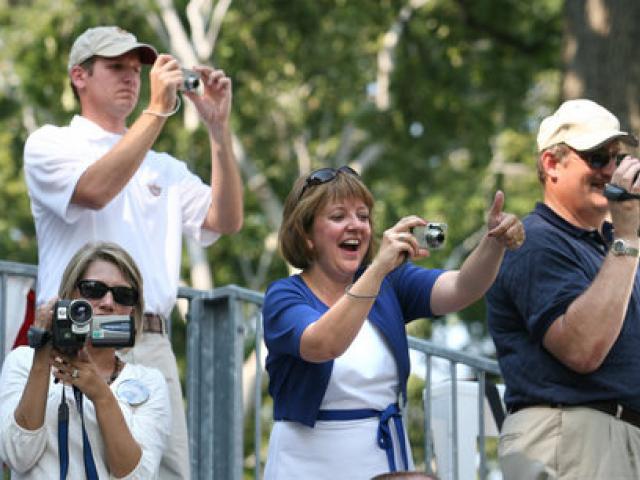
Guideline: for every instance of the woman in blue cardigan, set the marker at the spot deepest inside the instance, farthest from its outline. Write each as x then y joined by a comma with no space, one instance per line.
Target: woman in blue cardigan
338,358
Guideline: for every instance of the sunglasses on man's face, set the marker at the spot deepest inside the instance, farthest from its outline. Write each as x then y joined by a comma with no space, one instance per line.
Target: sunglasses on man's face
601,158
95,290
324,175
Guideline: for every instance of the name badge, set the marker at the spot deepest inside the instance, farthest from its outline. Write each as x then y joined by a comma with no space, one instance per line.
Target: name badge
133,391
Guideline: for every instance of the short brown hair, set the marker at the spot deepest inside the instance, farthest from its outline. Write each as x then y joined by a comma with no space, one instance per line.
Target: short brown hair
560,150
108,252
299,214
88,66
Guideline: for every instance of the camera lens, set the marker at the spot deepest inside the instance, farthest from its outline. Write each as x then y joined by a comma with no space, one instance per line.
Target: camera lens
436,236
80,312
191,80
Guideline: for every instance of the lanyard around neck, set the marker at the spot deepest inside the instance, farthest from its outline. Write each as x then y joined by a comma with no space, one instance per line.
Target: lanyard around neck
63,438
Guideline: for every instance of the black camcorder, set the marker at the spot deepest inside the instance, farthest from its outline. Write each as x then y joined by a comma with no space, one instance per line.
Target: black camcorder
73,322
431,236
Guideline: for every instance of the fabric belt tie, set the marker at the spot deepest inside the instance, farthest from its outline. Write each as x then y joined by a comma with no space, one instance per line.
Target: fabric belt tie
385,441
153,323
612,408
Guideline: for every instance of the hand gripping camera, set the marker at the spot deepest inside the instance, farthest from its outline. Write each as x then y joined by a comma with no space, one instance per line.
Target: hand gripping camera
431,236
73,321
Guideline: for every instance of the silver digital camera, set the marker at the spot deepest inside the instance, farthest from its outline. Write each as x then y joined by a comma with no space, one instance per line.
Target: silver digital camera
431,236
191,80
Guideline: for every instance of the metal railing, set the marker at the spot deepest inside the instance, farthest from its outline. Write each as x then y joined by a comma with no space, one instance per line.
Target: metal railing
220,325
8,270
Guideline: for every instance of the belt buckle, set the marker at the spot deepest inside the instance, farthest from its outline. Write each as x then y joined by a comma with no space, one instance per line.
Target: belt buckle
619,410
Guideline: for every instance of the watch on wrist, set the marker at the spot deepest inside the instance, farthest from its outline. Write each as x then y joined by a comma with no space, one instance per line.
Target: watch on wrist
620,247
38,337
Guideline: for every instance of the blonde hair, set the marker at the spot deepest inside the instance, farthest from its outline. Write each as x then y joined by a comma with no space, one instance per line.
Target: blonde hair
111,253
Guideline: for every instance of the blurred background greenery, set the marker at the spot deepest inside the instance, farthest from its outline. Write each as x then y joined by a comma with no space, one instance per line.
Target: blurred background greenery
435,102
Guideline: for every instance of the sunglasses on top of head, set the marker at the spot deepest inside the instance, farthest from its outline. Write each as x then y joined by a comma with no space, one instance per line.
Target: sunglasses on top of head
598,159
324,175
95,289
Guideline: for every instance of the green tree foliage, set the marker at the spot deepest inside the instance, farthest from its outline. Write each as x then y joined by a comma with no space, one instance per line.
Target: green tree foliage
467,82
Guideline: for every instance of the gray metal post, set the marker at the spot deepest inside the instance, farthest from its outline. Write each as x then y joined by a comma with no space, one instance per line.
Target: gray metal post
3,314
8,269
214,415
481,440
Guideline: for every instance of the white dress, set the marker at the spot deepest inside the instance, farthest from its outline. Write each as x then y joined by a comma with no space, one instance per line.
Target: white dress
365,376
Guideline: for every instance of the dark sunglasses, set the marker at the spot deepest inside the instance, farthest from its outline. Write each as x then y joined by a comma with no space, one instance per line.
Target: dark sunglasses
324,175
95,289
601,158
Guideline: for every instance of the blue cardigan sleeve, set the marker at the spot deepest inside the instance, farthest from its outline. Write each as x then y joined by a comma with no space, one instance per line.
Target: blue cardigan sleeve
289,308
297,386
412,286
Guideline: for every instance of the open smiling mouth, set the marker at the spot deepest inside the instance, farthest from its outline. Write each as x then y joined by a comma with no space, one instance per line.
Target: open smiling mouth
351,245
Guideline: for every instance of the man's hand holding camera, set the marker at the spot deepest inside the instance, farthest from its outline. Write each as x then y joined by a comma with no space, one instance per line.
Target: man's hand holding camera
214,105
625,215
165,78
168,78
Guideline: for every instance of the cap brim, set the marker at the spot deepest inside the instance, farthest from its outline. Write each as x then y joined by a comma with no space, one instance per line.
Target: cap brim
148,54
584,143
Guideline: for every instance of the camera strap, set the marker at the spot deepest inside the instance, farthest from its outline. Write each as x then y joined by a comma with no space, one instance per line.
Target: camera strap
63,438
63,434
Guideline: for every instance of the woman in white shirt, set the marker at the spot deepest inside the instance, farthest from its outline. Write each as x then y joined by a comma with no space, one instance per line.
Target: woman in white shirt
125,411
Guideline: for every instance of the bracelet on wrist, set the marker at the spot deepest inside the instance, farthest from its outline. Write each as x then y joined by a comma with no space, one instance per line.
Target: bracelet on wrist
357,296
164,114
38,337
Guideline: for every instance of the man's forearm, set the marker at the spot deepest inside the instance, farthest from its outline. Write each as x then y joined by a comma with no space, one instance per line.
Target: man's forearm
226,212
106,177
584,335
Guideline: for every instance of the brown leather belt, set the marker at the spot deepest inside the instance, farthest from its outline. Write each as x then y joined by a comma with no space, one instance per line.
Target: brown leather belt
153,323
612,408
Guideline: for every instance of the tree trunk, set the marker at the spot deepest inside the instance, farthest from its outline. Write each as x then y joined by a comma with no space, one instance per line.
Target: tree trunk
601,38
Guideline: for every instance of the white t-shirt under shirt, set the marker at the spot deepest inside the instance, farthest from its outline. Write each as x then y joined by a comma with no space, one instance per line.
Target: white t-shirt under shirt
365,376
147,218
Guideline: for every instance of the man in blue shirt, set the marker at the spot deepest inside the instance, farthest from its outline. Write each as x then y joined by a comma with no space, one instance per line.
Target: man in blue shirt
564,311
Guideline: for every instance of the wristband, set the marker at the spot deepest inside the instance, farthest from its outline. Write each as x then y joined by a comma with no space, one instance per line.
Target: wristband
38,337
164,114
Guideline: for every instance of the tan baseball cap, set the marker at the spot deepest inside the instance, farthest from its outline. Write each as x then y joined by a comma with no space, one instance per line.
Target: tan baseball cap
108,42
583,125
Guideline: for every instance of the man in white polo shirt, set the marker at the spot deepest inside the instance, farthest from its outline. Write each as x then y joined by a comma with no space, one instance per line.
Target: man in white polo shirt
98,179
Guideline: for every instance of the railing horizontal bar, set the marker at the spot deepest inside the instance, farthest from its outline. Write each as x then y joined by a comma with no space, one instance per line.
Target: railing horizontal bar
14,268
231,291
456,356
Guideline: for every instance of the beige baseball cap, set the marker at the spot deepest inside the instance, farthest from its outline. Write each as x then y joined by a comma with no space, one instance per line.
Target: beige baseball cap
583,125
108,42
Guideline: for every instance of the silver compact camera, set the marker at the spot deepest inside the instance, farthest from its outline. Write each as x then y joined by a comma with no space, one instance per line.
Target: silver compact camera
191,80
431,236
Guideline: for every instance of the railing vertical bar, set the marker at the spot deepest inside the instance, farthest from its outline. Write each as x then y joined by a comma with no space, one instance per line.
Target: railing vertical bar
426,396
4,311
481,434
258,396
454,417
